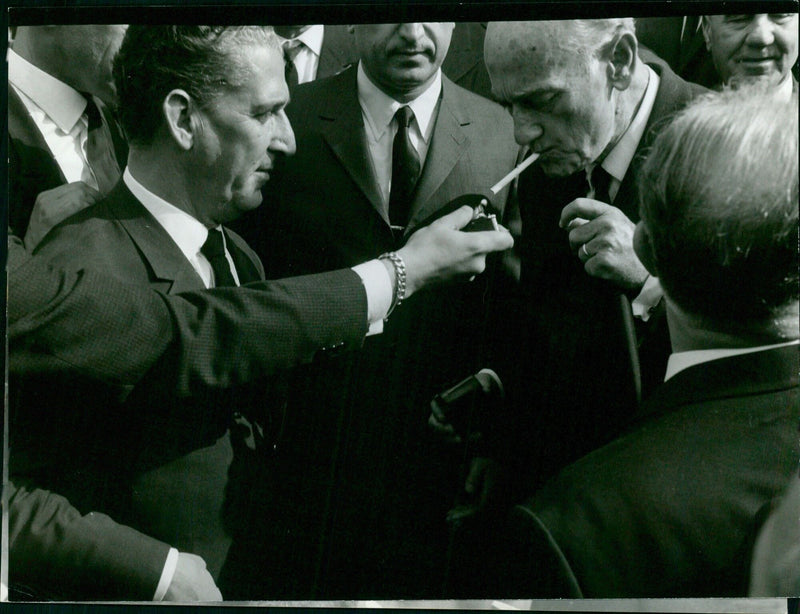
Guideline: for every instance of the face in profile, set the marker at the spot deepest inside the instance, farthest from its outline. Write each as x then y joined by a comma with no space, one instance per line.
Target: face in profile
241,131
402,58
749,47
562,104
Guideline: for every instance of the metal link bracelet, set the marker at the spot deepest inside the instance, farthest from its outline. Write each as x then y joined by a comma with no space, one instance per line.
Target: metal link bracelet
400,280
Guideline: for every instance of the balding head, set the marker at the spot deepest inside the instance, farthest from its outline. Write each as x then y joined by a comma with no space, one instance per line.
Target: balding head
568,84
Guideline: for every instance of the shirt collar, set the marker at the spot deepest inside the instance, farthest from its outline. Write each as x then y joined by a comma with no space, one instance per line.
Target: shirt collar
61,103
379,108
311,38
683,360
618,160
187,232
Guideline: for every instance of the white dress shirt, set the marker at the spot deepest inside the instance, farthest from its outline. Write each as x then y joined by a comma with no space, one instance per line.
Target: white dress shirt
187,232
307,59
57,110
679,361
378,109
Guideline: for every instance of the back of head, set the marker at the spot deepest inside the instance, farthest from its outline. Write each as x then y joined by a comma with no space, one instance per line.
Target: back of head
719,201
154,60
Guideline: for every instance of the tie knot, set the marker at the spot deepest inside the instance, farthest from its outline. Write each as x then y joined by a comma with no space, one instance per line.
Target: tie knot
403,116
291,48
213,247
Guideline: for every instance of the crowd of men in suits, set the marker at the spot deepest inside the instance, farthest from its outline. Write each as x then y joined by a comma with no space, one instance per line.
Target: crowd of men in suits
239,273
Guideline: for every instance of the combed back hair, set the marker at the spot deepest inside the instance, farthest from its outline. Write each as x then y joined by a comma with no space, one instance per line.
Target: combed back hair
719,198
201,60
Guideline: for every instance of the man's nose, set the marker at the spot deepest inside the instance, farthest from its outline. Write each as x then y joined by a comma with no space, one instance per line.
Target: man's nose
761,32
526,129
411,32
283,139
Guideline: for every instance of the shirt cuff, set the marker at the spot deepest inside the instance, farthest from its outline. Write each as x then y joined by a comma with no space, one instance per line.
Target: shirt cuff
378,286
648,299
167,574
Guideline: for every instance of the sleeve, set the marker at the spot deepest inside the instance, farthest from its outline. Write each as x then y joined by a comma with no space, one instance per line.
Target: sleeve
57,553
83,321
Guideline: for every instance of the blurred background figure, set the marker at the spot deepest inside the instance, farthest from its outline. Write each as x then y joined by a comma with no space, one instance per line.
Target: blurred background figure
65,147
762,46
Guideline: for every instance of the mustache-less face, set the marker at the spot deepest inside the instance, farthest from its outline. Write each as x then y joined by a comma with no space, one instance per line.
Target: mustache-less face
402,59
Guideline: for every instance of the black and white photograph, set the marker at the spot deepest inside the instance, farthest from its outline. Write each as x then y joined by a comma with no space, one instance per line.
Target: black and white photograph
501,312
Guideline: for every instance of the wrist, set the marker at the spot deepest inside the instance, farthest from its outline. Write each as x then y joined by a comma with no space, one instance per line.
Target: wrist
397,272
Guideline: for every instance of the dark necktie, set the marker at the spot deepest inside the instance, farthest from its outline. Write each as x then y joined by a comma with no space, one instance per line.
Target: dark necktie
214,250
601,181
290,50
405,170
100,149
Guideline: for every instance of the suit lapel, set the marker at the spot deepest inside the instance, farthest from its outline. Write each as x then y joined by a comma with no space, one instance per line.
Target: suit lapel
342,127
153,242
449,141
246,268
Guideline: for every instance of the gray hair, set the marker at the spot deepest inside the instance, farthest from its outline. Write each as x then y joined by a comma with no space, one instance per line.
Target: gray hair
719,199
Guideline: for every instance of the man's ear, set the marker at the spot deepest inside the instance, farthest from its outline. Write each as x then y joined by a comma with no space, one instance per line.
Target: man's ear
178,110
643,246
622,58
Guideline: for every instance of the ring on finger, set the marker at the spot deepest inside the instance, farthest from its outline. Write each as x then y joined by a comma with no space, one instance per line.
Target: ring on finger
584,251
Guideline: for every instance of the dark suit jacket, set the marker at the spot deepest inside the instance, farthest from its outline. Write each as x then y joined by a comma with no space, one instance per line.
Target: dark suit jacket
577,333
32,168
89,327
359,487
670,509
207,354
47,537
174,497
337,53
